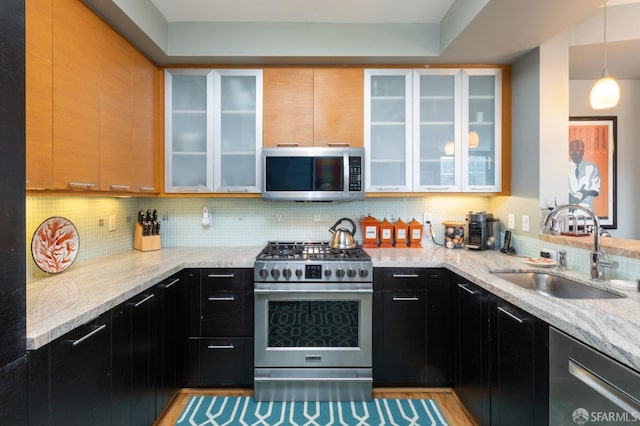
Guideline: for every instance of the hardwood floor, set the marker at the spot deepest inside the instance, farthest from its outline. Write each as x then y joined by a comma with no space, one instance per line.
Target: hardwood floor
447,400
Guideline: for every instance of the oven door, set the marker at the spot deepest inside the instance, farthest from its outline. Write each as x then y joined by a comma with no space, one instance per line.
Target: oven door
326,325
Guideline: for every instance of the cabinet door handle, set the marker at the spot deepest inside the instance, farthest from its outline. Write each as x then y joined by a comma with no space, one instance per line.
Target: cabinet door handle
171,283
603,387
86,185
406,276
221,347
145,300
288,144
88,335
119,187
406,299
467,289
222,299
221,275
147,189
338,144
506,312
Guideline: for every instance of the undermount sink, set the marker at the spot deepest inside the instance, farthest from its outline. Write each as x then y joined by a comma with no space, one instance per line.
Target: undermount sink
556,286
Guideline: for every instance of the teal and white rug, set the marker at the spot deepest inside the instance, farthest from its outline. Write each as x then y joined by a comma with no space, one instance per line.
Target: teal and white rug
231,410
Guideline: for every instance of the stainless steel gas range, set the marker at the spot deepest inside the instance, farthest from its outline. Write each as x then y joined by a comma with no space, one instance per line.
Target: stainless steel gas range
312,323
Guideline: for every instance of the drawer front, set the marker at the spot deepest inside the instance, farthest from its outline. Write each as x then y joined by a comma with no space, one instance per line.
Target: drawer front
220,362
222,313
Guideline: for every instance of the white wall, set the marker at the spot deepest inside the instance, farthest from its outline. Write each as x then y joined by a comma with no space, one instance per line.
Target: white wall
627,148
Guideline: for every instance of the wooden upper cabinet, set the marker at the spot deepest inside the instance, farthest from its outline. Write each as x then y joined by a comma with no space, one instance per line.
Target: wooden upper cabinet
143,149
76,99
287,107
307,107
338,107
116,124
39,114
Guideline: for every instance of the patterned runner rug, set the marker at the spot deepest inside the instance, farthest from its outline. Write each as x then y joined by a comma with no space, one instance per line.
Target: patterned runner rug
232,410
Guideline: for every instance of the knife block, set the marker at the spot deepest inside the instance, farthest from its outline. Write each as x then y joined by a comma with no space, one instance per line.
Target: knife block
145,242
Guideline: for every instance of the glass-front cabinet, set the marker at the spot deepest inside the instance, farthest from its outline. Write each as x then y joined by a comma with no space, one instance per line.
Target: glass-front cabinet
387,130
238,129
482,130
433,130
213,130
188,130
437,129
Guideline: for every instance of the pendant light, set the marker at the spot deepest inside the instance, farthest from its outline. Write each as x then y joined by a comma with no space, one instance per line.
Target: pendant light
606,92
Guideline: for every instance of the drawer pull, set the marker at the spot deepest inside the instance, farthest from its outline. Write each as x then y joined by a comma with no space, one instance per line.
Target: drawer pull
145,300
88,335
288,144
467,289
222,299
221,347
221,275
339,144
147,189
406,276
406,299
504,311
171,283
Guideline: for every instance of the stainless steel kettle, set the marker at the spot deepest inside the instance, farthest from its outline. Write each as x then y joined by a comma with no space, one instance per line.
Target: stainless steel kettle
343,238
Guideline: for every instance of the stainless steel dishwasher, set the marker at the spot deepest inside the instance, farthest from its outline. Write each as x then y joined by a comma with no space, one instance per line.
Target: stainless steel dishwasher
587,387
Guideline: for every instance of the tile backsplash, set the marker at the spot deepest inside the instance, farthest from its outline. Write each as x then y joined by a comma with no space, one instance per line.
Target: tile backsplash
234,221
253,222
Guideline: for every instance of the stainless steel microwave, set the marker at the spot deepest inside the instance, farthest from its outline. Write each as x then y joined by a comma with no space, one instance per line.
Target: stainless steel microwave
313,174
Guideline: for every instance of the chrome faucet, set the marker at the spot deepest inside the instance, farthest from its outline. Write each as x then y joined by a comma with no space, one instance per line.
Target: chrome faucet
598,259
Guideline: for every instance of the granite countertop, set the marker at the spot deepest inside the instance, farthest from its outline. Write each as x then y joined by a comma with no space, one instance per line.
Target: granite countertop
59,303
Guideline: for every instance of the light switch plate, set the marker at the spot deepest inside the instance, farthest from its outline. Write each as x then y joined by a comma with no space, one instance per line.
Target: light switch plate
512,221
526,227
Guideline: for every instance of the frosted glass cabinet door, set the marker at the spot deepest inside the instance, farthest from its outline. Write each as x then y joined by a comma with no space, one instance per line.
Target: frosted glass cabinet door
387,132
482,130
238,130
188,130
436,138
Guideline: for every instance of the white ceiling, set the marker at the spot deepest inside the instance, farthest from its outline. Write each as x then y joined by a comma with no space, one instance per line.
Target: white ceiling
500,31
330,11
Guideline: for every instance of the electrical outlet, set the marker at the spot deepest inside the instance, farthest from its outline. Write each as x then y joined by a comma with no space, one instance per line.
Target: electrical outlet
511,221
427,218
112,223
526,226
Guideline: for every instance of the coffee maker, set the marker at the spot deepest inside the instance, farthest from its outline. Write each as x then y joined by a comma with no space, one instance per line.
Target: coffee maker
484,231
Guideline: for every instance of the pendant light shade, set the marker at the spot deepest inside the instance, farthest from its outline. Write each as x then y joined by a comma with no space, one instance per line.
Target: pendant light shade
606,92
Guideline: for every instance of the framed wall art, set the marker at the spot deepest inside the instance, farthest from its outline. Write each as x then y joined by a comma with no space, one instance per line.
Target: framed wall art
592,166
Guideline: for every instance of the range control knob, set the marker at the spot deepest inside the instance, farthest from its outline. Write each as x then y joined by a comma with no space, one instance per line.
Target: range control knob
298,273
364,272
339,272
286,273
275,273
352,272
327,272
263,273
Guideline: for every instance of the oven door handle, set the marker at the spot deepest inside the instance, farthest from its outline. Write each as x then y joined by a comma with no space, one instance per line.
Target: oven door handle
310,291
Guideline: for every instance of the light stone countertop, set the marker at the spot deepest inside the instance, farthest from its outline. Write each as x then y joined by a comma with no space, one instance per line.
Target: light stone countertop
59,303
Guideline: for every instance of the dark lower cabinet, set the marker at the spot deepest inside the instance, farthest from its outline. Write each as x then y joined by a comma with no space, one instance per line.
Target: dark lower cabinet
501,359
411,324
122,397
14,392
472,362
219,317
80,375
172,323
520,367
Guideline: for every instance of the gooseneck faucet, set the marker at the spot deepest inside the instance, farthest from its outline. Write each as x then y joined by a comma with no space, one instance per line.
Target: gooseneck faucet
598,259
